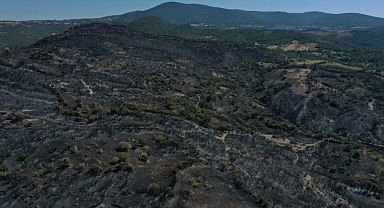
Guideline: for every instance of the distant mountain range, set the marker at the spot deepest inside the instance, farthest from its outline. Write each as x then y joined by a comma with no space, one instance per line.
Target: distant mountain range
20,33
178,13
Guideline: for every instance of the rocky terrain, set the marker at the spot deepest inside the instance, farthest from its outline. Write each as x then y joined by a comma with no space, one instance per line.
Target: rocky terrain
103,116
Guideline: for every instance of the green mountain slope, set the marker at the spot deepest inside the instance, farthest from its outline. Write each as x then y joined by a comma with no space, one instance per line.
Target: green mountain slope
24,33
357,48
349,19
155,25
371,39
178,13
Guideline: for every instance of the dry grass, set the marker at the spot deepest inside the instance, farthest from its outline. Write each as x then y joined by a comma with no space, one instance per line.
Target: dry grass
334,64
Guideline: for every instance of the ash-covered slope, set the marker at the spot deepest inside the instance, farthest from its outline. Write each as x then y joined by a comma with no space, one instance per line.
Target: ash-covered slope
104,116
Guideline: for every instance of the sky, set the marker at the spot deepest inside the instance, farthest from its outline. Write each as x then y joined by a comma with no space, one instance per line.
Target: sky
77,9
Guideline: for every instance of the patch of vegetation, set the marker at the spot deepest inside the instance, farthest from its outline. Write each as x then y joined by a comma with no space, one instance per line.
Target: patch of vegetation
124,166
124,157
153,189
124,146
95,168
4,170
65,162
144,157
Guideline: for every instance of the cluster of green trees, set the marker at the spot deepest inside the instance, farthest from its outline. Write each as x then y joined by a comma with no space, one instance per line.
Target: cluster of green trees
359,48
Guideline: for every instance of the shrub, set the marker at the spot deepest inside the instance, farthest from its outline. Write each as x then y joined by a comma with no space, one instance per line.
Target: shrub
124,157
92,118
81,166
144,157
153,189
348,148
356,154
19,116
143,141
65,162
207,185
124,167
95,168
334,104
377,172
239,182
333,169
4,167
4,171
124,146
378,157
74,149
193,182
3,174
115,160
170,192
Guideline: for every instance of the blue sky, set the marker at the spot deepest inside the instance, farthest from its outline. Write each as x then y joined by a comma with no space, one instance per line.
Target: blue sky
73,9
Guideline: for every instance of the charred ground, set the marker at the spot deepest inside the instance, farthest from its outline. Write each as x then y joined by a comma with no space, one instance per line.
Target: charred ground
105,116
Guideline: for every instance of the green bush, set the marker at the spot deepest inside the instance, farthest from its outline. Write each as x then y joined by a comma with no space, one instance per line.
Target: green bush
115,160
143,141
4,167
3,174
74,149
19,116
95,168
144,157
356,154
124,157
194,183
124,146
348,148
4,171
65,162
124,167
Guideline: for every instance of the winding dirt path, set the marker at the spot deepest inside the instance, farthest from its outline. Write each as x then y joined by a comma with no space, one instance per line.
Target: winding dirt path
87,87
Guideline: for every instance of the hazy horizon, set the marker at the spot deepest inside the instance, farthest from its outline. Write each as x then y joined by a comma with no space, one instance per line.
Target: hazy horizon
20,10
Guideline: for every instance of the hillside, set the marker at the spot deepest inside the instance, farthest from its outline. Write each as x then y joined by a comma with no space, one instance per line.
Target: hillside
156,26
358,48
371,39
349,19
105,116
16,34
178,13
23,33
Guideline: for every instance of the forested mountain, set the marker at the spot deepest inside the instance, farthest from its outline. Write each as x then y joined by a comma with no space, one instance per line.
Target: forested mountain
349,19
359,48
27,32
22,33
178,13
157,26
